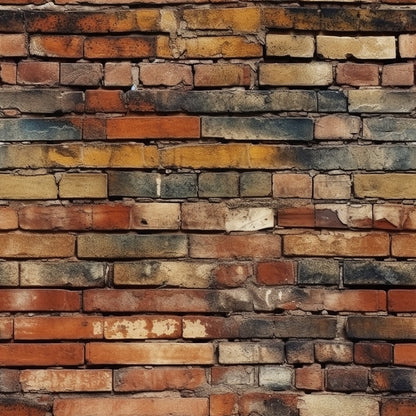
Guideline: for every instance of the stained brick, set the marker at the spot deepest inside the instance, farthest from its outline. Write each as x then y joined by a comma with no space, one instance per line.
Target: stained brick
223,404
255,184
295,46
333,127
268,404
203,216
38,73
276,377
232,275
201,327
389,129
334,352
166,74
380,101
370,353
9,273
54,46
402,75
234,375
347,379
331,187
118,74
300,352
310,378
83,74
179,185
251,353
305,327
292,185
402,245
104,101
133,184
218,184
21,407
318,272
407,45
332,101
398,407
395,380
222,75
6,328
9,381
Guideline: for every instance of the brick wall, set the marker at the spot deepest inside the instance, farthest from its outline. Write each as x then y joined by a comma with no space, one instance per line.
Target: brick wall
207,208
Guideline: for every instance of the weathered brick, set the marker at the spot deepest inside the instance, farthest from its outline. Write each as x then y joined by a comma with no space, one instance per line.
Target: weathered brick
331,187
232,275
204,216
66,380
129,406
387,186
401,75
393,380
218,184
380,101
8,73
398,406
318,272
256,128
379,273
355,300
296,74
268,404
249,219
155,216
337,405
310,378
381,327
255,184
295,46
153,273
334,127
407,45
222,404
165,74
213,327
279,272
348,244
68,274
390,216
56,46
305,327
22,407
83,74
347,379
222,75
234,375
402,245
357,75
370,353
41,354
158,379
6,328
389,129
401,300
118,74
297,216
179,185
276,377
300,352
334,351
265,352
9,273
149,354
292,185
104,101
13,45
142,327
332,101
133,184
9,381
38,73
131,245
12,21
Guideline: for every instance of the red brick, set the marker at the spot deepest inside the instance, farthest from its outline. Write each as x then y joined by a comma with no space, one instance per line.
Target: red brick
310,378
223,404
6,328
204,327
370,353
403,245
39,300
239,246
292,185
165,74
276,273
399,75
110,217
355,300
13,45
398,407
104,101
20,407
405,354
39,354
57,46
357,74
301,216
38,73
232,275
167,127
54,217
52,380
144,406
8,73
149,354
53,327
8,218
402,300
222,75
158,379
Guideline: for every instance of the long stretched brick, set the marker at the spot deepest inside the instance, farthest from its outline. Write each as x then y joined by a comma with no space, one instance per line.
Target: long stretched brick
381,327
27,187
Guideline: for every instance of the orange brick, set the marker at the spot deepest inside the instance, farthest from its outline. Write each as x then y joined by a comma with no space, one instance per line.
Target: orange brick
292,185
6,328
223,404
8,73
403,245
57,46
13,45
402,300
276,273
102,101
222,75
110,217
167,127
8,218
310,378
405,354
355,300
53,327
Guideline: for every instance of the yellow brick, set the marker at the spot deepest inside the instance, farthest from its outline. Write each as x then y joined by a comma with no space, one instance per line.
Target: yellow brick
163,49
28,187
147,19
83,185
168,21
151,156
116,155
63,155
236,19
297,46
387,185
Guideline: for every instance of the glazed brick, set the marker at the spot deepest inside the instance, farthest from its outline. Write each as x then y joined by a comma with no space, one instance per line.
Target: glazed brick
221,101
13,45
255,184
179,185
276,377
9,381
133,184
381,327
27,187
296,74
55,46
334,352
268,403
83,185
401,300
93,245
347,379
82,74
276,273
394,380
201,327
165,74
222,75
331,187
318,272
386,186
66,380
380,101
333,127
149,354
379,273
357,75
235,246
104,101
234,375
405,354
398,406
155,273
158,379
117,74
371,353
38,73
401,75
9,273
155,216
256,128
347,244
310,378
389,129
205,47
6,328
295,46
264,352
36,245
155,406
142,327
218,184
361,47
153,128
41,354
300,352
64,274
305,327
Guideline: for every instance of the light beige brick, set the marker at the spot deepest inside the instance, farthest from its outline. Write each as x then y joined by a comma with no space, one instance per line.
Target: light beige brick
296,46
83,185
332,187
249,219
407,46
251,352
388,185
155,216
28,187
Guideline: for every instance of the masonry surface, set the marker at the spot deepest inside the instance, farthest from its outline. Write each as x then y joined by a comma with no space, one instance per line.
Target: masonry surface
207,208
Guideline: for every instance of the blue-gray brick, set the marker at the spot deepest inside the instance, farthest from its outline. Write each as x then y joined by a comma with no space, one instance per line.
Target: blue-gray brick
218,184
318,272
133,184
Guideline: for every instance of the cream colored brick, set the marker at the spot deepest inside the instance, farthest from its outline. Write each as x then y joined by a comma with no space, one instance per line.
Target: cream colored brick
296,74
28,187
251,352
407,46
296,46
249,219
332,187
83,185
364,47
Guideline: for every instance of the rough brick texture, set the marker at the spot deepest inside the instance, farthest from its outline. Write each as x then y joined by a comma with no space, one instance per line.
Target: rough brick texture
207,208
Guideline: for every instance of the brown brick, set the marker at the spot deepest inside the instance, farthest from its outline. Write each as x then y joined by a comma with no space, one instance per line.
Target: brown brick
398,75
223,404
38,73
301,216
203,216
8,73
370,353
402,245
276,273
347,379
292,185
357,74
310,378
13,45
222,75
8,218
300,352
56,46
9,381
388,216
398,407
232,275
393,380
334,127
165,74
118,74
334,352
22,407
84,74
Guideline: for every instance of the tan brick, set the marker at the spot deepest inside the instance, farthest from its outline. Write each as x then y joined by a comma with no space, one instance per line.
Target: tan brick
8,73
13,45
387,185
400,75
222,75
403,245
251,352
203,216
364,47
118,74
292,185
28,187
165,74
158,216
295,46
332,187
346,243
407,46
83,185
296,74
337,127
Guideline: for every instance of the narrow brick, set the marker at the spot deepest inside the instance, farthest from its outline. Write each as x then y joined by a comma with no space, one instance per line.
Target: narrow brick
407,45
251,353
83,185
13,45
8,73
38,73
222,404
222,75
56,46
6,328
149,354
82,74
296,74
9,381
357,75
371,353
364,300
380,101
402,245
165,74
218,184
